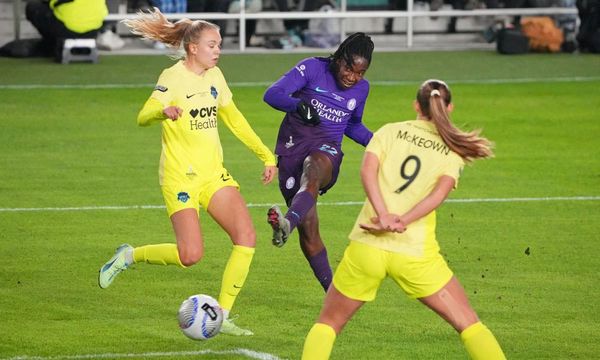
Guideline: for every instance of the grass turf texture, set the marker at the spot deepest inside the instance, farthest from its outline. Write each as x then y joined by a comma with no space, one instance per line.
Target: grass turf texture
73,147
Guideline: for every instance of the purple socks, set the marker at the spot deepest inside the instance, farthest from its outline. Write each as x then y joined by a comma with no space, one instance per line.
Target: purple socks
301,204
320,266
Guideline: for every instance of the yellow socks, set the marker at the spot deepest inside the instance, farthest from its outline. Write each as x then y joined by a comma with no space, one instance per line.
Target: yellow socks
319,342
481,343
160,254
235,274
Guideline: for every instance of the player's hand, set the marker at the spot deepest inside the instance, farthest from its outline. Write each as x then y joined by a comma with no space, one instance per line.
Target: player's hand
173,112
386,223
269,174
308,113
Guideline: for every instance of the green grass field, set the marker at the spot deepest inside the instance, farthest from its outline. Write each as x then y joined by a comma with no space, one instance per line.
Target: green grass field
520,232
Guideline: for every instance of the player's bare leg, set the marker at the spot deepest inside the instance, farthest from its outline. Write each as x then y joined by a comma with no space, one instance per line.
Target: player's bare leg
229,210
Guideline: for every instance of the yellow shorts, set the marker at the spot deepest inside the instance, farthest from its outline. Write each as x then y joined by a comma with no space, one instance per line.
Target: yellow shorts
364,267
192,195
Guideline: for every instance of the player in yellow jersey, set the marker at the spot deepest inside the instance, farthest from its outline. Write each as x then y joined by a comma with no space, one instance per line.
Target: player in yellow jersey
408,170
190,100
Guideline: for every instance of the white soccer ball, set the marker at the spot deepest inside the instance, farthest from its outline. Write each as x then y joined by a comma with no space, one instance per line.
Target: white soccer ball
200,317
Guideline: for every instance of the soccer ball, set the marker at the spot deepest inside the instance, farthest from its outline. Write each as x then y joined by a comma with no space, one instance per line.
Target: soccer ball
200,317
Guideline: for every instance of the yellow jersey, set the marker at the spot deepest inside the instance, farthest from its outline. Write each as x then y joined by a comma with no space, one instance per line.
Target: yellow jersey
191,147
412,157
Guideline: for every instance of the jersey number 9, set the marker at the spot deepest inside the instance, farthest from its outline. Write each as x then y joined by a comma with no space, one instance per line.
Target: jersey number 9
409,177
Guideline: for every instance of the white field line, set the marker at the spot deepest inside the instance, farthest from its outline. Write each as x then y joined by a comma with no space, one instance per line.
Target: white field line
251,354
267,83
337,203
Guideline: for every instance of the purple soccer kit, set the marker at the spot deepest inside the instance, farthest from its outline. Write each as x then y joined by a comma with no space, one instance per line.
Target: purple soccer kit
340,111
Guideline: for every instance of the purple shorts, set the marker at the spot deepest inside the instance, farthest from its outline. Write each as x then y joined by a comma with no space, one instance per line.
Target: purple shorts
290,168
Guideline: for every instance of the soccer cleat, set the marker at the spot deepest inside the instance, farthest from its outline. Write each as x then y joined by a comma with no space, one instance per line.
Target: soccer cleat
113,267
229,328
280,225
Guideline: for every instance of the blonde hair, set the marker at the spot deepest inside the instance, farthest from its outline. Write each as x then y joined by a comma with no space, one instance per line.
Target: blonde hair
433,97
153,25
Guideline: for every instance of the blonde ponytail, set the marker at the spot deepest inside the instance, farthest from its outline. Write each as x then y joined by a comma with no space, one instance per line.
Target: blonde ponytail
155,26
433,97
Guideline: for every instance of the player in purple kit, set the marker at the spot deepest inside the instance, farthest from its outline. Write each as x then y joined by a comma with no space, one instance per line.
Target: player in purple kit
323,99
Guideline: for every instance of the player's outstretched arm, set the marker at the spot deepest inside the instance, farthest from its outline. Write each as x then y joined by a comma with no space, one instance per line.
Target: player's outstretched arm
239,126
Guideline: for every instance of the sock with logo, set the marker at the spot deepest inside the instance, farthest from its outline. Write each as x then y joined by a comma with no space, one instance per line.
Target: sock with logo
481,343
319,342
235,274
320,266
159,254
301,204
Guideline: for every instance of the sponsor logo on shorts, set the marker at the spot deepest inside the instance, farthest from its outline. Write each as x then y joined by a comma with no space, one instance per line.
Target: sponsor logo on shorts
191,173
290,143
225,177
183,197
290,182
329,149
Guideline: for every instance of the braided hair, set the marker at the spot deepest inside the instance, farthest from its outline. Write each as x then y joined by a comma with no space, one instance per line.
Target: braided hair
358,44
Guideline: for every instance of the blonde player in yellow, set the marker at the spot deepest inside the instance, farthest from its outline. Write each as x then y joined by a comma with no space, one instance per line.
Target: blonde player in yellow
190,100
408,170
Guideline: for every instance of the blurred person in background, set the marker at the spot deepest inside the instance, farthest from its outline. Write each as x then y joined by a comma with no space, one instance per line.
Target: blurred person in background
108,38
252,6
408,170
189,100
58,20
296,28
218,6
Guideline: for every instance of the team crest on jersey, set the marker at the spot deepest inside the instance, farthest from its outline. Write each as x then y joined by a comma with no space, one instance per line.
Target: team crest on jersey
213,92
351,104
183,196
290,182
161,88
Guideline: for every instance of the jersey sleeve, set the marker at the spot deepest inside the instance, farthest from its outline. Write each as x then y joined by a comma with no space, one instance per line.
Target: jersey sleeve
151,112
453,168
237,123
279,94
163,91
358,132
377,144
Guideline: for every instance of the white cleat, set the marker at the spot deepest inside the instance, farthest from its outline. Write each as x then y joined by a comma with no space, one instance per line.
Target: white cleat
113,267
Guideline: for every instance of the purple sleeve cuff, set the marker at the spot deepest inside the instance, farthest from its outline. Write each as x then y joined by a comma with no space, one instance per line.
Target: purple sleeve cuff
358,132
279,98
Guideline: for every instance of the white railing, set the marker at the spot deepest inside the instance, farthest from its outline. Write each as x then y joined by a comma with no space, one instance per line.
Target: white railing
342,14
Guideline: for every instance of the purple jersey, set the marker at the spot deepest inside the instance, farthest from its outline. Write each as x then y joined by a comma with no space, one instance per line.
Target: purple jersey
340,109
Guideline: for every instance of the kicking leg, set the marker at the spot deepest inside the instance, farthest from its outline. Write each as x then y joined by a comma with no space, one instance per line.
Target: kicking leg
314,249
